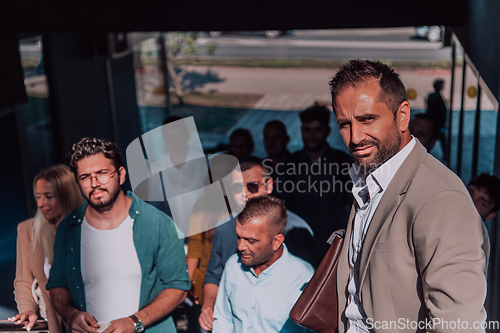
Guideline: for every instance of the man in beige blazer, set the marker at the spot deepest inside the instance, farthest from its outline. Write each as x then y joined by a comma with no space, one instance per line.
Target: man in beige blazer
415,252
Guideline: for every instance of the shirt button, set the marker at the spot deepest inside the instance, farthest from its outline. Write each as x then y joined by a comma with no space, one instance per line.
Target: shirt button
77,287
357,244
74,216
79,220
137,212
71,249
74,268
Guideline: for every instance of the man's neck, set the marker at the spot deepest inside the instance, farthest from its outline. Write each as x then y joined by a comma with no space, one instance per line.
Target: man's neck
109,217
315,156
260,268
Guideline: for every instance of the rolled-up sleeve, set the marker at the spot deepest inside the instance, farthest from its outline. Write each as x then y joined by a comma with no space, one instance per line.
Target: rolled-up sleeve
215,265
171,261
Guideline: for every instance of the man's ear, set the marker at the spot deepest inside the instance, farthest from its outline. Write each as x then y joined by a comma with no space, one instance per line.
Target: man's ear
269,185
123,174
403,116
277,241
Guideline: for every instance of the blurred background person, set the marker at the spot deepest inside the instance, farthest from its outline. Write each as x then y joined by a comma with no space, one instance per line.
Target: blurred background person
314,181
241,143
275,140
57,194
484,190
425,128
437,107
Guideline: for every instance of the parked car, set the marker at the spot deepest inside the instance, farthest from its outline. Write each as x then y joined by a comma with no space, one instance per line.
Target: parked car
433,33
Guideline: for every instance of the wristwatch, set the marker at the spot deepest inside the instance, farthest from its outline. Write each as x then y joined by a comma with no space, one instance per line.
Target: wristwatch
138,325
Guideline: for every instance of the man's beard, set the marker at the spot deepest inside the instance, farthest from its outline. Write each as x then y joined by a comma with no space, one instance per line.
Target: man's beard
384,152
104,204
257,259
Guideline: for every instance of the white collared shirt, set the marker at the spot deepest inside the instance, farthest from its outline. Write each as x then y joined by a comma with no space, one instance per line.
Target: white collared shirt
374,184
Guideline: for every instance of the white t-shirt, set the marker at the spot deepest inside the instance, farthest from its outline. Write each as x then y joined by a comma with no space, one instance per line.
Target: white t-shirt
111,271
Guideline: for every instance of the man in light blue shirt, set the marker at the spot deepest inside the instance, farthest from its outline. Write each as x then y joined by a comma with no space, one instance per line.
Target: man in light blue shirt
261,282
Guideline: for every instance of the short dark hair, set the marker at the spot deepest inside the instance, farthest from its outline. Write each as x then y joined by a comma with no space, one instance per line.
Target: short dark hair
249,162
242,132
272,208
435,126
92,146
278,124
356,72
316,112
492,186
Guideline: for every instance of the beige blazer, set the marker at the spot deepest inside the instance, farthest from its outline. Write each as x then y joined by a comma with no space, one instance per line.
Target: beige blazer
424,255
29,265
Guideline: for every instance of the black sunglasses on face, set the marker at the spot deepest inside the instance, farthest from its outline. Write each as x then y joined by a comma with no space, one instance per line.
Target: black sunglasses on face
252,187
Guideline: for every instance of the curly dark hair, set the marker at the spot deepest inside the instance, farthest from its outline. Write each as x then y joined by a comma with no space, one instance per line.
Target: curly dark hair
93,146
357,72
270,207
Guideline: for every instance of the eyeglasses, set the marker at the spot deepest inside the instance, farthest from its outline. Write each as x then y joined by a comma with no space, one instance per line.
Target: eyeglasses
252,187
102,176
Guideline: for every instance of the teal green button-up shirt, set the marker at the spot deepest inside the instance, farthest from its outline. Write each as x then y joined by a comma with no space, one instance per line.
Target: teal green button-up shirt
159,249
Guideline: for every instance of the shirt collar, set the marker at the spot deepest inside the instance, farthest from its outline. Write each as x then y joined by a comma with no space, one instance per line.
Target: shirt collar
79,213
379,179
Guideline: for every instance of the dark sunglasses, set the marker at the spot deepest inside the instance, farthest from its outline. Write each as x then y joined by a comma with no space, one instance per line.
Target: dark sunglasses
252,187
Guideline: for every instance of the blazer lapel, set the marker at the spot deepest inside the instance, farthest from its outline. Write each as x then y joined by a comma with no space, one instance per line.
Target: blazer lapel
389,204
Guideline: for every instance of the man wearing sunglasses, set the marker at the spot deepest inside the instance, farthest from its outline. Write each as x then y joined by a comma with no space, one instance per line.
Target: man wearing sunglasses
299,237
116,258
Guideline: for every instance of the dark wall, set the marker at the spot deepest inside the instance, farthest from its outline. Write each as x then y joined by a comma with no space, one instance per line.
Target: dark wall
89,95
480,38
13,200
11,73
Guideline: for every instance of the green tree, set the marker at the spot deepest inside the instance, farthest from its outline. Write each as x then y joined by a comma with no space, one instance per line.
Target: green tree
183,44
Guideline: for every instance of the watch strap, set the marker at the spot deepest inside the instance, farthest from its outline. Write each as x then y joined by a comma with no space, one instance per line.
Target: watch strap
135,319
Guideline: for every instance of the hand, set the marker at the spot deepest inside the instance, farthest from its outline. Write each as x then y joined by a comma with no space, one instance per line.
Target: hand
82,322
122,325
192,296
206,318
28,318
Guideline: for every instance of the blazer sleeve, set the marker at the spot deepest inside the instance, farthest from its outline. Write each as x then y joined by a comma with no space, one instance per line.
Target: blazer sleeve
450,249
24,268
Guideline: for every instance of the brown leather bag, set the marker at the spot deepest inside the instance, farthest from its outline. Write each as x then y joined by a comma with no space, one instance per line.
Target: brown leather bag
316,308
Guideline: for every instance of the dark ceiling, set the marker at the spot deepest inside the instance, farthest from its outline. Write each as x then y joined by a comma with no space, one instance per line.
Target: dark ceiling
35,16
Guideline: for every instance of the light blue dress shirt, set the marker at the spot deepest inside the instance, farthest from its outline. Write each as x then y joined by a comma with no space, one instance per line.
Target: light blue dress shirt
250,303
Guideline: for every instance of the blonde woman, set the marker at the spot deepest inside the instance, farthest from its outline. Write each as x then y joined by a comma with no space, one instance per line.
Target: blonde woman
57,194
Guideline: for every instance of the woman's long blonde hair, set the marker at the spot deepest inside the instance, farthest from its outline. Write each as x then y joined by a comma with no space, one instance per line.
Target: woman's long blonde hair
67,192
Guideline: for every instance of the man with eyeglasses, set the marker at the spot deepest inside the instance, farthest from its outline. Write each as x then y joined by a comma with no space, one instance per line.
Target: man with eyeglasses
299,237
117,260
